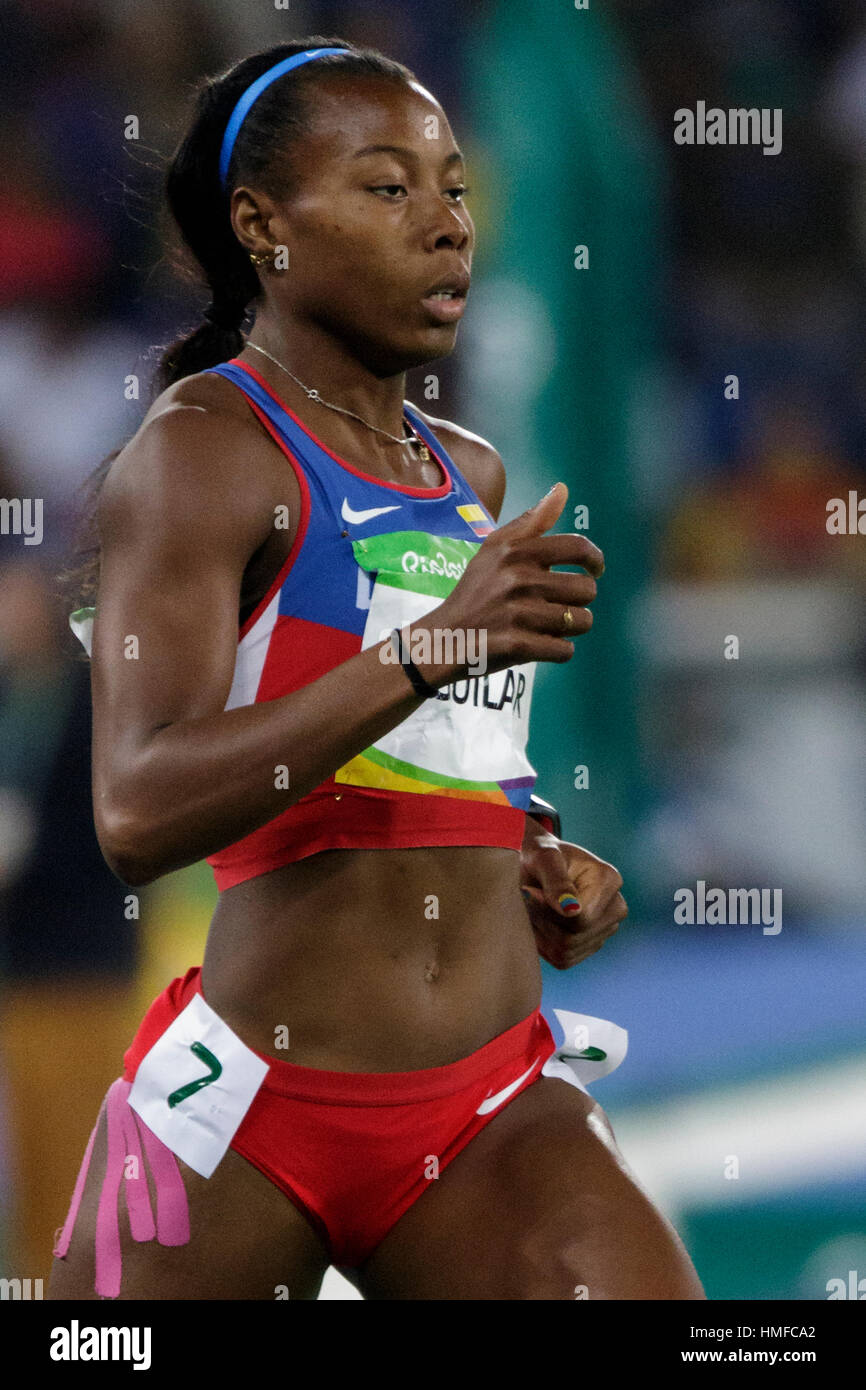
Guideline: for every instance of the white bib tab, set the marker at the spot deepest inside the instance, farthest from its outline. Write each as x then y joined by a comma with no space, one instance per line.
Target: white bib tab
195,1085
592,1048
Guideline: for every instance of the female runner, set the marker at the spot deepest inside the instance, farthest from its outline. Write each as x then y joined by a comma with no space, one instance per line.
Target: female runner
354,1076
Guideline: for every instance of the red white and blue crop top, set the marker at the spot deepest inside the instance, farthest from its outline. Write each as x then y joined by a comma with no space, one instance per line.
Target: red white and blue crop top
370,556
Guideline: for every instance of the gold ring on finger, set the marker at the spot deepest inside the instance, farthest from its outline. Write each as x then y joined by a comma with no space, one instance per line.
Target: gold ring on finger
567,618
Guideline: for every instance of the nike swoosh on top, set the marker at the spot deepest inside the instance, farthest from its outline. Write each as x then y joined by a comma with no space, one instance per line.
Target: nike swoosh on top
349,515
493,1102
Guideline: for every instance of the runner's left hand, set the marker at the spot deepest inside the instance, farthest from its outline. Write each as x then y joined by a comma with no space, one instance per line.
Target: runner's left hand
551,869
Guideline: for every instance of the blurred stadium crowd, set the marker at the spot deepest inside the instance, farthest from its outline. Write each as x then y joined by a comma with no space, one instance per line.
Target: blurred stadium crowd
764,278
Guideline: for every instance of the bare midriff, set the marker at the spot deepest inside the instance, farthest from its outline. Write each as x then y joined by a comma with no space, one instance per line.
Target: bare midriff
375,960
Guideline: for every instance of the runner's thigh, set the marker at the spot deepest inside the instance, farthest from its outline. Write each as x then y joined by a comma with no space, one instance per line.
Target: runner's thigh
247,1241
540,1205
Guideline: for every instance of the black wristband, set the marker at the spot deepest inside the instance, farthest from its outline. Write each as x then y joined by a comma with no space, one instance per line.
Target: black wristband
546,814
420,685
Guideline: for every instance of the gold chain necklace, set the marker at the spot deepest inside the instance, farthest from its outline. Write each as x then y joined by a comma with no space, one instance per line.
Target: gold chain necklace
413,438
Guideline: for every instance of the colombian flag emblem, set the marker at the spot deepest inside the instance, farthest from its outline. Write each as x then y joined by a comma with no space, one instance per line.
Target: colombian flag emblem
472,513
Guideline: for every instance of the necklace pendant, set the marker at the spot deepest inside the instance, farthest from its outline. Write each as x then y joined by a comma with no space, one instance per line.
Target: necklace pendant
424,454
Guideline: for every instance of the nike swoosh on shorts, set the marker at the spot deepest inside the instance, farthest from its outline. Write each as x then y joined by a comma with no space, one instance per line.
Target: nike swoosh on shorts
349,515
493,1102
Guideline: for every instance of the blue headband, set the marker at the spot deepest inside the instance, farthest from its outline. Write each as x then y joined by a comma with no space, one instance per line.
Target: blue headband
252,94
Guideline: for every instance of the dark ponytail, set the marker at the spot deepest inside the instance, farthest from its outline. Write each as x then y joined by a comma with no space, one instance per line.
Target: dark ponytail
262,157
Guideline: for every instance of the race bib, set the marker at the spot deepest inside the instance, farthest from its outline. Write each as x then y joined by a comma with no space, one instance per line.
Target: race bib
469,741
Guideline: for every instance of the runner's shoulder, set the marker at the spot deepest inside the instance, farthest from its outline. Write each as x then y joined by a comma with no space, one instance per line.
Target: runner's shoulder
479,462
198,445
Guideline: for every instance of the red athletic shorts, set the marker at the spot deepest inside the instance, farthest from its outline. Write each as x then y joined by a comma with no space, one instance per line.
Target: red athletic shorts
354,1150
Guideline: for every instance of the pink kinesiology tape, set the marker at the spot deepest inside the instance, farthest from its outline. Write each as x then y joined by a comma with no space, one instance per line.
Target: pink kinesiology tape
129,1137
